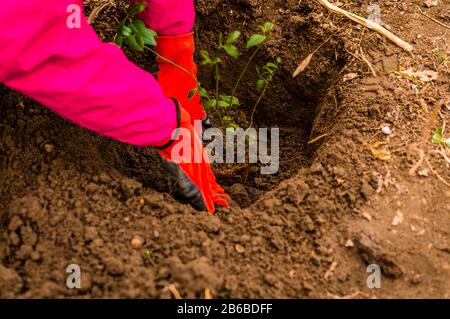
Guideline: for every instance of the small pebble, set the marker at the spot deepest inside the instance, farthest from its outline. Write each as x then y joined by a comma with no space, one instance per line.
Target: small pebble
349,243
386,130
398,219
137,242
240,249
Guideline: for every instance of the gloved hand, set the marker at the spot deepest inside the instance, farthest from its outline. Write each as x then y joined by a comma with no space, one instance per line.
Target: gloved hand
175,82
191,173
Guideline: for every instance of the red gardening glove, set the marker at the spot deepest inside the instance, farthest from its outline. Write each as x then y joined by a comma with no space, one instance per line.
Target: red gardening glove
175,82
189,168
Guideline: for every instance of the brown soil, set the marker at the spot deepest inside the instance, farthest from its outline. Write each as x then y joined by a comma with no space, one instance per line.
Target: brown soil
69,196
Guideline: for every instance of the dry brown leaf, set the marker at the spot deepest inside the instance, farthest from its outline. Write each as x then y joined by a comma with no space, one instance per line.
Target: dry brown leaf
424,76
303,65
379,153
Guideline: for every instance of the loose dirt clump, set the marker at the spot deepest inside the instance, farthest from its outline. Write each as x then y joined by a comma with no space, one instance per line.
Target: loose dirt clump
69,196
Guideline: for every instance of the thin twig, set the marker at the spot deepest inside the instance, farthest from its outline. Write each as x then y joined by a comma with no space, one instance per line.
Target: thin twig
257,103
95,12
416,166
433,19
305,62
174,291
370,24
436,173
314,140
443,155
368,63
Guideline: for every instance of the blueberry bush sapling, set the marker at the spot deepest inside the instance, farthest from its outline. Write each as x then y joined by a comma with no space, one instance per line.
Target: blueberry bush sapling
219,102
223,103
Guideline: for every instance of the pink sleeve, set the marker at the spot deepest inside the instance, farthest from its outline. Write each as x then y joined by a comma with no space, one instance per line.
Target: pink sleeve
169,17
72,72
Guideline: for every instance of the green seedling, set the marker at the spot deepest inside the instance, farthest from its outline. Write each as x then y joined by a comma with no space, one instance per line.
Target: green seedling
223,103
150,257
441,56
220,103
265,78
439,139
255,41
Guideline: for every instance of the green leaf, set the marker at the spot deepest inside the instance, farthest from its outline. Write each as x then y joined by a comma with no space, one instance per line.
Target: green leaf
202,92
119,40
267,27
150,40
232,127
437,137
134,43
233,37
139,24
255,40
140,41
279,60
260,84
272,65
230,101
231,50
223,103
148,34
149,37
134,30
211,103
227,118
192,93
125,31
206,59
137,8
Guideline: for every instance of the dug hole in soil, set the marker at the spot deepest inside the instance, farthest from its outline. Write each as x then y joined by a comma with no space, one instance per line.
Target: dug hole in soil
69,196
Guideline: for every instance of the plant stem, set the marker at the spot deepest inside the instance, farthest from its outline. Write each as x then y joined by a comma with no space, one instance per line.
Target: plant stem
241,76
257,103
172,63
216,67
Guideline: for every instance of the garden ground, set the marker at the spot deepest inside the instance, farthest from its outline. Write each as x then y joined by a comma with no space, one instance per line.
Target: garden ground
354,197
